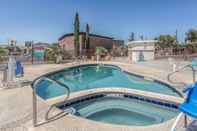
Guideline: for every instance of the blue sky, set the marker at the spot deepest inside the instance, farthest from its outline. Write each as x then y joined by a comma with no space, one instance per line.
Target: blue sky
47,20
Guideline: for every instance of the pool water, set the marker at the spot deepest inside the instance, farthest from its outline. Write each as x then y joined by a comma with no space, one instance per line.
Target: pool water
124,111
120,116
96,76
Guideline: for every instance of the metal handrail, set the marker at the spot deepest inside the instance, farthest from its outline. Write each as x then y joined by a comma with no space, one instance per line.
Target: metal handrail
194,78
187,66
35,98
173,128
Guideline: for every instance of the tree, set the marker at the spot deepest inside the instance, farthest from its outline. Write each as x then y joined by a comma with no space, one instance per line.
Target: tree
76,34
87,39
191,35
132,36
165,41
3,52
52,52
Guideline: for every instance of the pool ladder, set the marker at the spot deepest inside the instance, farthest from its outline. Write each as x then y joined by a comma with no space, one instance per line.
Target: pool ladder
34,87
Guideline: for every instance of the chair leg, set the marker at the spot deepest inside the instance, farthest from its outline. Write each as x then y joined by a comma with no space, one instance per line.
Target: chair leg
185,121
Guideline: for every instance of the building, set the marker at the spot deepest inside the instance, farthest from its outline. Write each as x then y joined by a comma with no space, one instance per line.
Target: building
38,50
141,50
66,42
118,43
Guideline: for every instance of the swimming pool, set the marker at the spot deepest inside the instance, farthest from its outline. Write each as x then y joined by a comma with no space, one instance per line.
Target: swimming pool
98,76
121,109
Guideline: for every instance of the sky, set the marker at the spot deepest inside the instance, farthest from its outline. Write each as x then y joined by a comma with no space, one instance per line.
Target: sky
47,20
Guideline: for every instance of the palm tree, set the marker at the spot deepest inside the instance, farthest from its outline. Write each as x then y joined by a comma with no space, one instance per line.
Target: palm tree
53,52
100,51
166,41
191,35
76,34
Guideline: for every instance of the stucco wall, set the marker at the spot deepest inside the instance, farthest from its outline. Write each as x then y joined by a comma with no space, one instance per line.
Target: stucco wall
147,56
139,52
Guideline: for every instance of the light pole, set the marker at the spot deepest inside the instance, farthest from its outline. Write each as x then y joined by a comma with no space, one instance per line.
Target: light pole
32,52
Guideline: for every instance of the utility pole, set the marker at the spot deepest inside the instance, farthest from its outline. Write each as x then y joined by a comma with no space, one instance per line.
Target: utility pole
176,36
32,52
132,36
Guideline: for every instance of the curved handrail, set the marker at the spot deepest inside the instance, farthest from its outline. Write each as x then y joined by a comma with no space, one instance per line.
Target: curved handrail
172,73
51,107
173,128
53,81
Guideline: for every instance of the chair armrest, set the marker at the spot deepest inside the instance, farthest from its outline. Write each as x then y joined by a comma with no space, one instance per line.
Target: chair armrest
187,88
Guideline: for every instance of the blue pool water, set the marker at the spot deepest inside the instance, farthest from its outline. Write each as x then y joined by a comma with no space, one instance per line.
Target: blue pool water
96,76
123,111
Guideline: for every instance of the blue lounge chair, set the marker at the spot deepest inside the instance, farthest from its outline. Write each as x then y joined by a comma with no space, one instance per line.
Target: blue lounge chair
189,107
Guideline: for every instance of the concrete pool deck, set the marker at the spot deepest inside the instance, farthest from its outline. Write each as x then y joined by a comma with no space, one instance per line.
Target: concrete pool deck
16,104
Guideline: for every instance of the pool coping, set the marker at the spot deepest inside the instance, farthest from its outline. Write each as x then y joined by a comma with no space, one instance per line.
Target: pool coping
134,92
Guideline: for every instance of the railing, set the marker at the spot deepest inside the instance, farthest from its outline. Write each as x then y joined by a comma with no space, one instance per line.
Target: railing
35,99
169,79
181,69
176,122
